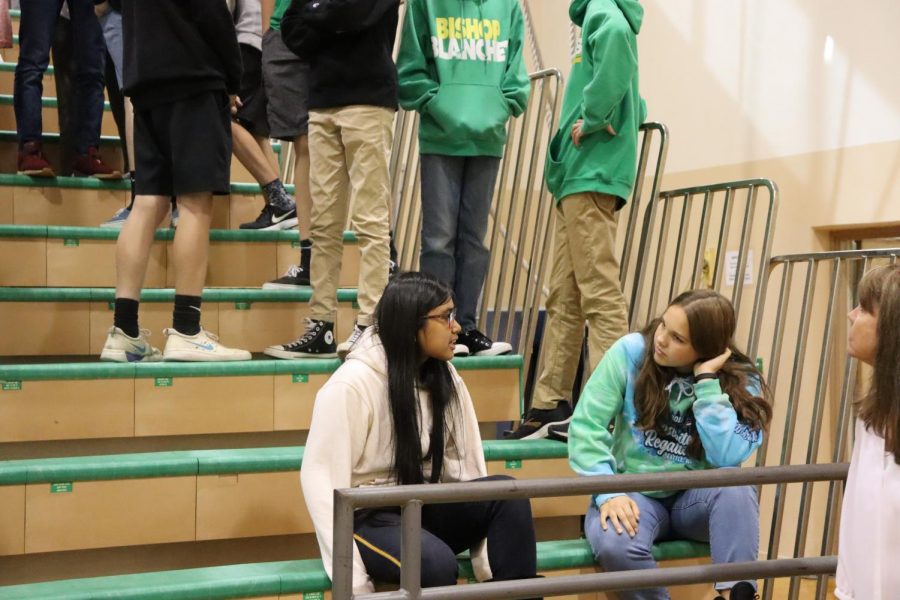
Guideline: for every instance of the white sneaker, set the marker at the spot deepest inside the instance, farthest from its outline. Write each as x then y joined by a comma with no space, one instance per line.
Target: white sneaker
121,347
345,347
203,347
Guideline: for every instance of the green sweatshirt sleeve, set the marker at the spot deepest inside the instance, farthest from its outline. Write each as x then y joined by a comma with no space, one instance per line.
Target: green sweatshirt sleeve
590,442
417,85
612,47
516,85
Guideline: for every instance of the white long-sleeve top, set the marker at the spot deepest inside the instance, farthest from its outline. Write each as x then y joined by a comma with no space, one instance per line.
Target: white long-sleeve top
350,444
869,548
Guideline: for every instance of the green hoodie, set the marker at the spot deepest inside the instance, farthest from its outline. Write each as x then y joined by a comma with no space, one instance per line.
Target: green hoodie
602,90
460,66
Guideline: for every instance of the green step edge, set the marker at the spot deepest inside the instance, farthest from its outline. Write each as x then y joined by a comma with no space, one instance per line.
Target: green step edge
285,577
106,140
74,469
90,183
106,233
307,366
7,100
10,67
251,295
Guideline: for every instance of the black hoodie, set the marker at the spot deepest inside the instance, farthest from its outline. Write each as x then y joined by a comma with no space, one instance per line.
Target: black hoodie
175,49
349,47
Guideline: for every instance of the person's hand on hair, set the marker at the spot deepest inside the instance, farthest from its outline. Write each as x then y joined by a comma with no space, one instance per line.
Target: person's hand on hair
623,513
713,365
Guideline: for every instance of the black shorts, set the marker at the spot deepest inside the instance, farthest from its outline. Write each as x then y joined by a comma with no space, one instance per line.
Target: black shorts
252,114
184,147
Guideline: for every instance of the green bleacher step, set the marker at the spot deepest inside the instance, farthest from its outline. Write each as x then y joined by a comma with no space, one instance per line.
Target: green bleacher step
166,399
87,202
57,256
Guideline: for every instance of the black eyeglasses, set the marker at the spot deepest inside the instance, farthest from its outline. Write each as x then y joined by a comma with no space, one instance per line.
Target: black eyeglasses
448,316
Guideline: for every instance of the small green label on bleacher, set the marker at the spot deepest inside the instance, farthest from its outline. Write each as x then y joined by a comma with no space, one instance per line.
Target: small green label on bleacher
355,305
12,386
242,306
759,364
514,464
313,595
70,243
111,306
61,488
163,382
300,378
295,244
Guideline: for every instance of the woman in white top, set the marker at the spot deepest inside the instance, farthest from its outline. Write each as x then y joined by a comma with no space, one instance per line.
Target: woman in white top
869,548
395,413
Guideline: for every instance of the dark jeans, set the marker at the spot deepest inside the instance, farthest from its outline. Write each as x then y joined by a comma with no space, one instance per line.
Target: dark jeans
447,530
36,29
456,201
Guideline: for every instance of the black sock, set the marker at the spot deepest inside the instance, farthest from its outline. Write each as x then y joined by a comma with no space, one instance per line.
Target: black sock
305,254
131,178
277,196
125,316
186,316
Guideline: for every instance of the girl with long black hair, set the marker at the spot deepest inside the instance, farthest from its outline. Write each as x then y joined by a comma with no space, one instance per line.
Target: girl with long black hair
395,413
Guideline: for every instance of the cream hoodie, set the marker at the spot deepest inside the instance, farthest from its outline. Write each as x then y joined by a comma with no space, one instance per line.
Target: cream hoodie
350,445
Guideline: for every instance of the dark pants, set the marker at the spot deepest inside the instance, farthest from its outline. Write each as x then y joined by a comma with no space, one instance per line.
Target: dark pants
456,202
36,29
447,530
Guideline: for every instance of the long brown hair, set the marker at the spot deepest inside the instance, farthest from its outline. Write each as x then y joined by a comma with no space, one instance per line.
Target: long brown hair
879,291
712,324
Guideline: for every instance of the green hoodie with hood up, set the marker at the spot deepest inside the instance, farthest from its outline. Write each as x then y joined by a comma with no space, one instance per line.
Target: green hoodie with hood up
603,91
460,66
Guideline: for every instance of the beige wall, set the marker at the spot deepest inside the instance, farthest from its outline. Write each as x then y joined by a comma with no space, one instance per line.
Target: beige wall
799,91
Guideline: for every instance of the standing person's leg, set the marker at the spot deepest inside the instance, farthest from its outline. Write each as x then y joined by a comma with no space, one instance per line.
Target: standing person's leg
367,132
377,536
472,256
506,525
441,192
563,336
126,342
330,186
36,29
285,79
90,60
593,218
615,551
727,518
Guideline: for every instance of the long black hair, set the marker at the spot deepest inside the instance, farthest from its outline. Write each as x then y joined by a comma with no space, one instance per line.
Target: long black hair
400,313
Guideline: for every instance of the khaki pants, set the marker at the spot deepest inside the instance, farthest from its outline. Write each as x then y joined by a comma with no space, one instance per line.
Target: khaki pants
584,286
349,150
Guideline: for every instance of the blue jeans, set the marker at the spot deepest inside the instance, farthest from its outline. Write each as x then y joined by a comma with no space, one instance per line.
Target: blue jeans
456,201
727,518
36,28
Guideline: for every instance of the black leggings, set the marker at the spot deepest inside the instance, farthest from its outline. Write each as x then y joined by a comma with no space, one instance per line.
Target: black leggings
447,530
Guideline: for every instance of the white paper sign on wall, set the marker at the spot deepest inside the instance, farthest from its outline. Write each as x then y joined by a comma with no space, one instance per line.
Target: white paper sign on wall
731,265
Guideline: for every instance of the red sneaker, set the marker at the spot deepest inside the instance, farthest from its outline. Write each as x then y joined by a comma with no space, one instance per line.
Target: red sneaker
32,161
91,165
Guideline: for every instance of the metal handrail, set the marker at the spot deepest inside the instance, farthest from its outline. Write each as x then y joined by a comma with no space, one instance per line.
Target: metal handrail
823,281
411,499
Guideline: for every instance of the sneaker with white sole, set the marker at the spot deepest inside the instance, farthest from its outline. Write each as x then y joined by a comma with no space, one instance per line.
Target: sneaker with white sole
475,343
272,218
346,346
121,347
202,347
296,276
538,423
117,221
316,342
